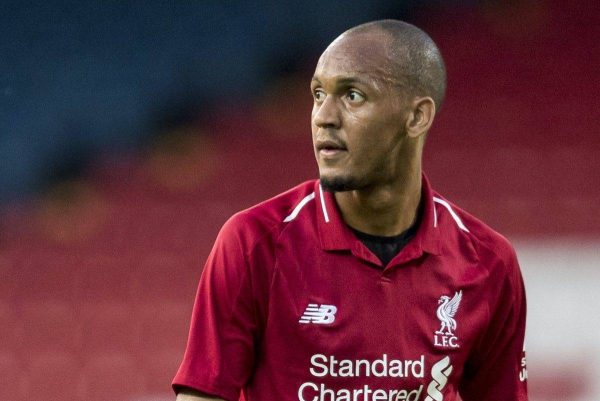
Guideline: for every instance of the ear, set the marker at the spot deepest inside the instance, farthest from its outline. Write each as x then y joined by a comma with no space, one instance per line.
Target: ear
420,117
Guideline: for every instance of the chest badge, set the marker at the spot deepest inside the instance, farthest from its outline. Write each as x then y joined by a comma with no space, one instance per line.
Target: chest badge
444,337
318,314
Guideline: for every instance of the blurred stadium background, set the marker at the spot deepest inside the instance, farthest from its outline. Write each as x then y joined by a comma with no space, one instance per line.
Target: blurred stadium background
130,131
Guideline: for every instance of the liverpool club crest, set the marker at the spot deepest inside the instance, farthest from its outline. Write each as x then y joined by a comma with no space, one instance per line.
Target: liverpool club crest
444,337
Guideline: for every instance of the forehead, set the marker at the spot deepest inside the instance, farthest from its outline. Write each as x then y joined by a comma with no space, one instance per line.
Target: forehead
365,55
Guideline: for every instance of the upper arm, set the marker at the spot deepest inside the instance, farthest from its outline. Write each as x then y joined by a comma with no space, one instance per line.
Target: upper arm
220,354
496,370
188,394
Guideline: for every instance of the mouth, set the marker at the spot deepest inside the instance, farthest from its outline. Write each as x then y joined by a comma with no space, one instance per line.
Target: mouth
330,148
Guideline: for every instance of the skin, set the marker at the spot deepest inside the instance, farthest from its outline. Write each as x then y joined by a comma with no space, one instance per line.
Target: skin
193,395
368,132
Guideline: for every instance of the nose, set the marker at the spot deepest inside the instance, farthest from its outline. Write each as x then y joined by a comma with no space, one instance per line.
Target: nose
326,114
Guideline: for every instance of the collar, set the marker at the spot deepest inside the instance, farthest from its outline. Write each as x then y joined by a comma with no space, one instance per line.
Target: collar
335,235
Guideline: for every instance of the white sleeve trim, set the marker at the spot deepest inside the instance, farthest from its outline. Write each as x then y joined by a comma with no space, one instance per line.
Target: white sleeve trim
299,207
457,219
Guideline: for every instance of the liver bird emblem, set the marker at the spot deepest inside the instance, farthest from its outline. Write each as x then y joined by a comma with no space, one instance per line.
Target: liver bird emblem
446,311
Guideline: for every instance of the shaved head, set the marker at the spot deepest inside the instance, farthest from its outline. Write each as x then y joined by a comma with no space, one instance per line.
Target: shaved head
376,89
418,64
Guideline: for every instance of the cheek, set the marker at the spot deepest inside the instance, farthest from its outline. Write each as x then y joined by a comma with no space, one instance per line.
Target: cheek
313,126
359,120
371,135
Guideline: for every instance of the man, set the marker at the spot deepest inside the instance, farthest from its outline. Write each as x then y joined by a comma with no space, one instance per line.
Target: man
365,285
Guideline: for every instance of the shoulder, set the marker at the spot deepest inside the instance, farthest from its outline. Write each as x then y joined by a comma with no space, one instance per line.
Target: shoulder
490,245
268,218
493,257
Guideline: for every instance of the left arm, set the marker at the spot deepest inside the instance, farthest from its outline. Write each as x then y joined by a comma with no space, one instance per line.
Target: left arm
497,370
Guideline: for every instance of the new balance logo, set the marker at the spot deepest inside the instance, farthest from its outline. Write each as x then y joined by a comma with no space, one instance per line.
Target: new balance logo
323,314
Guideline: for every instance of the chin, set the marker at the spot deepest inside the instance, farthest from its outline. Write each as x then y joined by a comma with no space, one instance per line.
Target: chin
339,184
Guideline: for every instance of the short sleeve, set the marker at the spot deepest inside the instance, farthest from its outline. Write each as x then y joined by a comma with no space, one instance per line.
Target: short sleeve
220,352
497,371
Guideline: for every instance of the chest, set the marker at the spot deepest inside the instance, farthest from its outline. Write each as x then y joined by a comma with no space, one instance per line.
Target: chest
338,321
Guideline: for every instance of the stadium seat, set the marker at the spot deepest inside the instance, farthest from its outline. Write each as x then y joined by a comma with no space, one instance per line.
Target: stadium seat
164,277
8,277
164,325
104,277
11,327
109,377
49,326
48,274
108,328
12,376
163,335
159,368
53,376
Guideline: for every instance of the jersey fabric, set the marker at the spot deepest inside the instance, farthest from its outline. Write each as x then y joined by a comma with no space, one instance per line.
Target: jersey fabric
292,306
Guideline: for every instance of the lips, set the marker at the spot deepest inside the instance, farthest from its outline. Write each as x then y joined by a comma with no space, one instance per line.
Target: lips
330,146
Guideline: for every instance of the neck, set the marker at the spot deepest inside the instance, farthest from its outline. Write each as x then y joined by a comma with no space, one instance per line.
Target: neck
385,210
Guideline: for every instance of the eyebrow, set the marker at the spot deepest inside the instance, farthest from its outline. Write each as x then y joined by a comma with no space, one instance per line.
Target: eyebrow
344,81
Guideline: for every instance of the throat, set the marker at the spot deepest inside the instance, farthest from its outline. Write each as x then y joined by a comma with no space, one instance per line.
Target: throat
386,248
387,212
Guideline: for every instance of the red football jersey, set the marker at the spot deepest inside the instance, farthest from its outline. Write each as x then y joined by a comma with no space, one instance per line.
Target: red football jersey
292,306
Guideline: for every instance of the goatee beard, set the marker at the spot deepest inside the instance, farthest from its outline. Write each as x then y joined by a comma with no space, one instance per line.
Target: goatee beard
339,184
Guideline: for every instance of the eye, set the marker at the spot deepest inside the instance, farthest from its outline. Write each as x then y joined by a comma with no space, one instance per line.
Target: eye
355,96
319,95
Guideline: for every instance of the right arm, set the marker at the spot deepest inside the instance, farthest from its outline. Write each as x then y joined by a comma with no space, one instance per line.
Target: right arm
220,353
187,394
